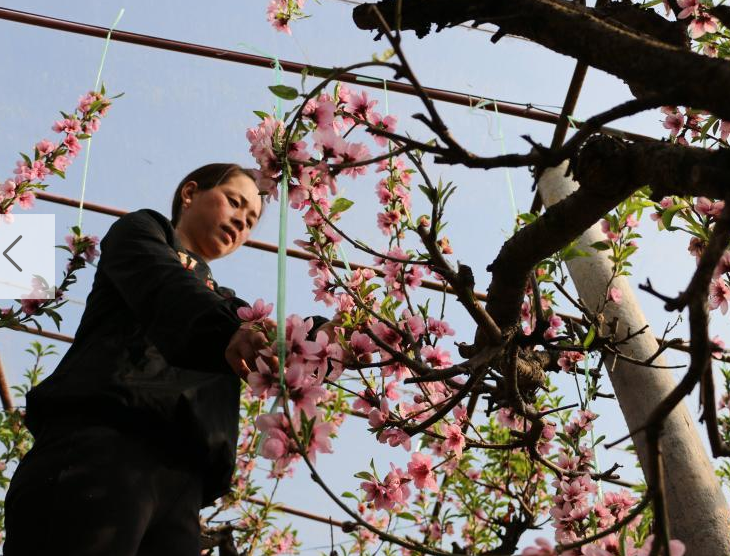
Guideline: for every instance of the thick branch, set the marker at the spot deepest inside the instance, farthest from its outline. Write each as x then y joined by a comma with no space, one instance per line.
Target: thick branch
641,50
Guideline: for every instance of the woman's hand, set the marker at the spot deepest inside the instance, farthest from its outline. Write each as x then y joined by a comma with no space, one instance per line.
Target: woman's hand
244,348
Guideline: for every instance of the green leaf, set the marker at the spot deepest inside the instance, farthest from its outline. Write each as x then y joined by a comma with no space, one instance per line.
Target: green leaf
668,215
349,495
364,475
261,114
283,91
589,337
427,191
406,515
601,245
340,205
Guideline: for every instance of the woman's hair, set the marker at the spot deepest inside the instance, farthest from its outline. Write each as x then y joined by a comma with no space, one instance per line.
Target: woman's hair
208,177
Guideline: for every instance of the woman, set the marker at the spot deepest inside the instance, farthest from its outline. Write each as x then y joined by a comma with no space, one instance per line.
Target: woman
137,427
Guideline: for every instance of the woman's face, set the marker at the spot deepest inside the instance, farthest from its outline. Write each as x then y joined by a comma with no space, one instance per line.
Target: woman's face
215,222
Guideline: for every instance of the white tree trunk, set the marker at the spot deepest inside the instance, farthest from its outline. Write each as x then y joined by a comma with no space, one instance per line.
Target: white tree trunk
698,511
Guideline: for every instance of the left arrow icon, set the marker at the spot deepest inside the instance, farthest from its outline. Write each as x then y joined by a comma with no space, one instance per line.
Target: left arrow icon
5,254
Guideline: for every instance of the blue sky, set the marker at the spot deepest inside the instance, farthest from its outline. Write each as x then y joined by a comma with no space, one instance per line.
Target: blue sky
179,112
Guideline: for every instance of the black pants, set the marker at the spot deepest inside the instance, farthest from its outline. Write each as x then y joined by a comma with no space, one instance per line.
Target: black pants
97,491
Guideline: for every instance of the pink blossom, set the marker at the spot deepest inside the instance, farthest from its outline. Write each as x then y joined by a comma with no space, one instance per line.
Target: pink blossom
507,417
674,121
666,202
701,25
396,484
257,313
379,416
696,247
542,548
323,291
323,112
30,306
615,295
582,424
21,171
420,469
719,295
67,125
263,380
299,350
689,7
26,200
45,147
38,171
568,359
606,228
320,440
327,142
365,401
361,106
264,138
414,322
454,439
706,207
724,129
388,220
555,323
336,355
718,348
386,124
439,328
319,268
392,491
631,221
84,246
404,196
384,194
277,442
279,14
91,126
61,162
353,153
391,390
619,503
85,101
361,345
73,145
395,437
386,334
7,189
436,357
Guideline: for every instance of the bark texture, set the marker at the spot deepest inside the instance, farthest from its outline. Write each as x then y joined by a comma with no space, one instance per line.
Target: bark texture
636,48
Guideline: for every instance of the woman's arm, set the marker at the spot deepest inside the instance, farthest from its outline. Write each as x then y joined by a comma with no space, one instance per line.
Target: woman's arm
190,324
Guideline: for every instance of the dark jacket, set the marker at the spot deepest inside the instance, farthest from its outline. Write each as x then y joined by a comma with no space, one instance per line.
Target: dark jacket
149,352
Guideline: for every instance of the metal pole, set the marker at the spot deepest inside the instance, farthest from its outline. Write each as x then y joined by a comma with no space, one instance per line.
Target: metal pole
512,109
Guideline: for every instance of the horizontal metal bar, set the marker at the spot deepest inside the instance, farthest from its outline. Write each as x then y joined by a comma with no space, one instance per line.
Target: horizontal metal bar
512,109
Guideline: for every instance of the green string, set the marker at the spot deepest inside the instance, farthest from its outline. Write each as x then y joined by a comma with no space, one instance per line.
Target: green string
593,438
504,152
481,103
96,88
281,252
